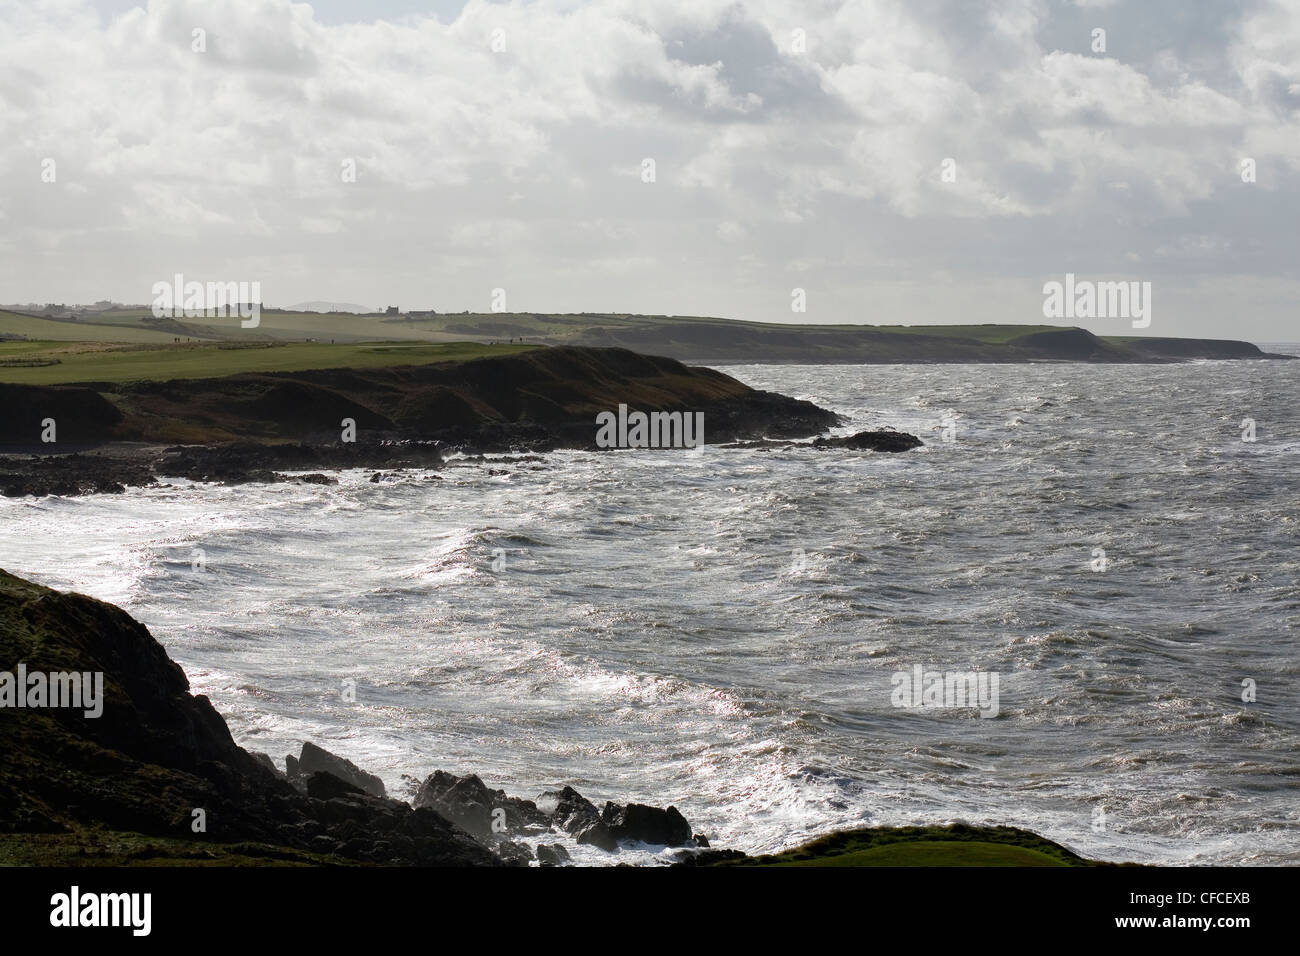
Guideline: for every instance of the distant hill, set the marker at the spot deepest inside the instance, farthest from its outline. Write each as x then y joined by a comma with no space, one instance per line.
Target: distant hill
322,306
698,339
725,341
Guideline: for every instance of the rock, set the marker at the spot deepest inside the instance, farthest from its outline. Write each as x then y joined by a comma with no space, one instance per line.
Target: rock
577,816
313,759
701,840
157,752
887,440
636,821
323,785
552,854
516,854
315,478
472,806
266,761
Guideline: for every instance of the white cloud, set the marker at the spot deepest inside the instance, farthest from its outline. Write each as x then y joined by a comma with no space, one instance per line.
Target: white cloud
473,164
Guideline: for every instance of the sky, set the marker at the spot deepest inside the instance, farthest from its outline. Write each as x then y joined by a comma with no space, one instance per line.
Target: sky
899,161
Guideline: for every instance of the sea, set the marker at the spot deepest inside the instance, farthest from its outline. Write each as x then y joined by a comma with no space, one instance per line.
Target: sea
739,632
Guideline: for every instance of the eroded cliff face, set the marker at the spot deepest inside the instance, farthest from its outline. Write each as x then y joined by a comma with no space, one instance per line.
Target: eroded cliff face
546,397
156,754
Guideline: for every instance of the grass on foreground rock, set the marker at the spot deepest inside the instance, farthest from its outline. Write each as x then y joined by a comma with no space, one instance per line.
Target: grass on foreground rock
955,845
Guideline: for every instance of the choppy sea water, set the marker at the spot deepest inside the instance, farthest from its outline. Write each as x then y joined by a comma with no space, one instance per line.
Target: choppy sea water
719,631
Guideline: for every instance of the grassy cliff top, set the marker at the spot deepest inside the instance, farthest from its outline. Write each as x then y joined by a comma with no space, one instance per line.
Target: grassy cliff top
954,845
692,338
63,363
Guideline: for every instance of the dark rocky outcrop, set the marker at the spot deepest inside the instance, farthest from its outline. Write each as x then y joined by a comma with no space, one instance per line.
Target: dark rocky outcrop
886,440
576,815
158,753
487,815
646,824
323,785
248,461
534,400
316,760
552,854
259,427
74,474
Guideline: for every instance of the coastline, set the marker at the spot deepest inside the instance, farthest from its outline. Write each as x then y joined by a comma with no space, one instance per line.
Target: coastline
129,786
247,427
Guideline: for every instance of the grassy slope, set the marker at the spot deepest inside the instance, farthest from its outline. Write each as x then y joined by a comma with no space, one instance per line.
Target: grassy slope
210,360
31,327
956,845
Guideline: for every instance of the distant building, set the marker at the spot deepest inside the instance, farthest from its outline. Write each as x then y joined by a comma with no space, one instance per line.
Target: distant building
391,310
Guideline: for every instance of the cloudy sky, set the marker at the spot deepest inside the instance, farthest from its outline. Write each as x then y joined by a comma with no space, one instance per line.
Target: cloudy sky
502,145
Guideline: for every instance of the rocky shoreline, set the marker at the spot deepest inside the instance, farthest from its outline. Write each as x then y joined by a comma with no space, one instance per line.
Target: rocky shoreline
156,779
113,469
296,426
159,763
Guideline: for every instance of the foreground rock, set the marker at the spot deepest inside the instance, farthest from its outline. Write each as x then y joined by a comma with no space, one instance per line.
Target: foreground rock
316,760
157,770
160,762
490,816
576,815
494,818
646,824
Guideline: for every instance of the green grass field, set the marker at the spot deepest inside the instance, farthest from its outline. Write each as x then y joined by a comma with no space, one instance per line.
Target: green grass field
955,845
139,326
935,853
49,330
100,363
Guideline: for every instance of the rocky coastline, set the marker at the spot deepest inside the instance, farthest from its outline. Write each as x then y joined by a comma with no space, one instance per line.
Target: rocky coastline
155,778
158,768
298,426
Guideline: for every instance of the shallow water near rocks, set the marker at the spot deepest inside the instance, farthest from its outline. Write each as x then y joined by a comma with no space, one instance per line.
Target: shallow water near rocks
719,631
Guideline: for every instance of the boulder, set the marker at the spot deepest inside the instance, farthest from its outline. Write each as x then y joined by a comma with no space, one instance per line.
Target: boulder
471,805
578,816
324,785
314,759
886,440
552,854
636,821
515,854
266,761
